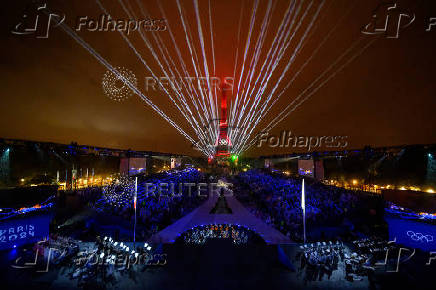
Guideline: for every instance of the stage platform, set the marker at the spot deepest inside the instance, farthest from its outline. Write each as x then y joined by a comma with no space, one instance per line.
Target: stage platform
201,216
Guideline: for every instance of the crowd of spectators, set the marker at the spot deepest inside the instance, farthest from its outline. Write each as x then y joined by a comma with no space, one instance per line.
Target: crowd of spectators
89,194
277,200
57,248
353,262
154,211
321,259
105,258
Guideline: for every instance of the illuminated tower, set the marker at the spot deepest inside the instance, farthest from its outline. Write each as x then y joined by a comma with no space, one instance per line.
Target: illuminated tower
223,143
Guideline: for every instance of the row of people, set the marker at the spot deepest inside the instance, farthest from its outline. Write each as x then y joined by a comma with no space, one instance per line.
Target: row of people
277,200
200,235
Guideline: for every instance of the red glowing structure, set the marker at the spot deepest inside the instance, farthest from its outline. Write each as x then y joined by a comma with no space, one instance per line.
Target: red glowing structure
223,143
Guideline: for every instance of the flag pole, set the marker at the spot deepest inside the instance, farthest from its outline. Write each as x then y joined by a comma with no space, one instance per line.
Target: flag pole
303,206
134,206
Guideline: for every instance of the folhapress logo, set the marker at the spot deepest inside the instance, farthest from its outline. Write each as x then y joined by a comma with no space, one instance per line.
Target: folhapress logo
388,19
287,139
38,22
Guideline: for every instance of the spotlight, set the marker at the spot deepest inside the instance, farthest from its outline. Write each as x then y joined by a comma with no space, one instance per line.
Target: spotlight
148,248
145,245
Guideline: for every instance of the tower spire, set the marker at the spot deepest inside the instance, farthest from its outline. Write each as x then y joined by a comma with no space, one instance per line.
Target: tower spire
223,143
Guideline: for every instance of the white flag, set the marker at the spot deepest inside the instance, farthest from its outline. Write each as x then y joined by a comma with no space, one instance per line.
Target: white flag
303,201
136,193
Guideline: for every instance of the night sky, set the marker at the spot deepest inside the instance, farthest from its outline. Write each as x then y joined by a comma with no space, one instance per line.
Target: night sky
51,88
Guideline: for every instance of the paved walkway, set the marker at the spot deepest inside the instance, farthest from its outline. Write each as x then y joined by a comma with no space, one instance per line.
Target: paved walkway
202,216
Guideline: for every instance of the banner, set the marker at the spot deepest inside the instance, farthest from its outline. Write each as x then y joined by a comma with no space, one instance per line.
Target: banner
18,232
